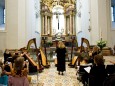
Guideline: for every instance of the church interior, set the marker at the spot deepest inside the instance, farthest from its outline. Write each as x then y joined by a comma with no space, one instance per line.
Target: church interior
33,29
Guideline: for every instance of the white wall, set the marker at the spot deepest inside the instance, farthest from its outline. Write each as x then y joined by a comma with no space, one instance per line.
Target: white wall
100,22
15,24
102,19
11,24
96,11
33,24
21,24
94,22
83,22
38,26
2,40
110,31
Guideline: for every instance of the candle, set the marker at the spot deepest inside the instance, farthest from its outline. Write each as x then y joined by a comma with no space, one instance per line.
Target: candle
100,33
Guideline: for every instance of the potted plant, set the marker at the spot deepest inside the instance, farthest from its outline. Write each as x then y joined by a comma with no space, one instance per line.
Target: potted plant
101,43
49,43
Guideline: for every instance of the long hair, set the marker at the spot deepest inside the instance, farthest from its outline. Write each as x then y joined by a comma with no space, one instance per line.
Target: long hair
18,65
61,44
95,49
98,59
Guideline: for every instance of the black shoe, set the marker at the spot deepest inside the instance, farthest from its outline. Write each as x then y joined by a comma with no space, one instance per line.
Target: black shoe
59,73
62,73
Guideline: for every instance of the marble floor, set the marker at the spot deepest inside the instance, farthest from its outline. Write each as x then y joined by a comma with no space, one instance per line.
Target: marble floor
50,77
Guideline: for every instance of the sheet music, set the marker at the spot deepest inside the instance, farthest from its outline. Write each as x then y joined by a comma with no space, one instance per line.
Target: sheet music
87,69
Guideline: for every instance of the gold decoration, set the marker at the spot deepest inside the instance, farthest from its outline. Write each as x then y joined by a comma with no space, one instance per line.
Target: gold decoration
63,3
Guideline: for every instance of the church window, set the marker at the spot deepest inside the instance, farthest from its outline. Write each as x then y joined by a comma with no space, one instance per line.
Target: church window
112,14
4,16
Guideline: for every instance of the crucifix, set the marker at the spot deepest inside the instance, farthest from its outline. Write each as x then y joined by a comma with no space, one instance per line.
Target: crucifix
58,22
58,15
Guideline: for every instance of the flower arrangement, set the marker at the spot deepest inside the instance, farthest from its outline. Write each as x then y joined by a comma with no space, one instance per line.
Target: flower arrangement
101,44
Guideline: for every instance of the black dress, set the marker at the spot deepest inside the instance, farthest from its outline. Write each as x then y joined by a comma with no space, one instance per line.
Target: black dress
61,59
6,55
97,75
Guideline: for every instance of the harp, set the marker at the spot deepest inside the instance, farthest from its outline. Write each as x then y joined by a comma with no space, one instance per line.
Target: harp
32,49
45,63
84,40
73,60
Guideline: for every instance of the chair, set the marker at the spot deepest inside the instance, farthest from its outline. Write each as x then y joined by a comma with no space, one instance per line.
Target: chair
96,76
83,74
110,80
110,69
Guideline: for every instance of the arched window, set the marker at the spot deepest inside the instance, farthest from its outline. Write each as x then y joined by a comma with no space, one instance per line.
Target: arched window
113,10
112,14
2,15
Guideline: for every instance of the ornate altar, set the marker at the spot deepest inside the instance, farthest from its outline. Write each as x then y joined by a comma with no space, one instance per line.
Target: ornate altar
50,10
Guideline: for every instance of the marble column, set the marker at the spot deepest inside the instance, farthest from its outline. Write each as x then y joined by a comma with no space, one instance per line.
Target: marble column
65,29
70,24
42,25
48,25
45,25
74,31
